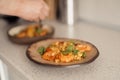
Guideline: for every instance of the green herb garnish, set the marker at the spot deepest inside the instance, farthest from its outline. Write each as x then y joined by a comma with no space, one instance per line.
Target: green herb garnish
70,48
41,50
83,55
75,52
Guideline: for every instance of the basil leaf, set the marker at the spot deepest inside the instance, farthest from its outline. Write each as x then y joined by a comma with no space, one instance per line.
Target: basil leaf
41,50
83,55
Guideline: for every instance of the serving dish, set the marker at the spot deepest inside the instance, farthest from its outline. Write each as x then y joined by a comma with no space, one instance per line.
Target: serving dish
28,40
33,54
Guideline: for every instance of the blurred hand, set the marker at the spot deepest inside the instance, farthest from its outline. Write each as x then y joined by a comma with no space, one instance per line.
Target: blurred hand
32,10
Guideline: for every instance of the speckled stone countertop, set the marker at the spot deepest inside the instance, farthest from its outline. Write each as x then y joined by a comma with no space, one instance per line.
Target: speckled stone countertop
105,67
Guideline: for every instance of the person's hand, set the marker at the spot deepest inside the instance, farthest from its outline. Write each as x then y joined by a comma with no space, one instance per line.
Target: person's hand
32,10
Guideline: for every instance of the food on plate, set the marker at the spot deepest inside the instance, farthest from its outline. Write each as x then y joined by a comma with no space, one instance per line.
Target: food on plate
32,31
64,51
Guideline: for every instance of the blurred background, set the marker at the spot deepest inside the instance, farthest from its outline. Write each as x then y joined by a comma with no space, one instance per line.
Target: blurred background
104,12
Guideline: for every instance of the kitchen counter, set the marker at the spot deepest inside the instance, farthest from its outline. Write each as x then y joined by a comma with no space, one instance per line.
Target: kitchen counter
105,67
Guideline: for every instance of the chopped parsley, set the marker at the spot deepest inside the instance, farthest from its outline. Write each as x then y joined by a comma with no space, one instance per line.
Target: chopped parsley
41,50
70,48
75,52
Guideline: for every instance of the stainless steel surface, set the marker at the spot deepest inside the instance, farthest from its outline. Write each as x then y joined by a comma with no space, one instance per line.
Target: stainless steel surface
68,13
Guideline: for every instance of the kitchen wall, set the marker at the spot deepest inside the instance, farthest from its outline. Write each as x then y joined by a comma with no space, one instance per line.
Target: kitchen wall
105,12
